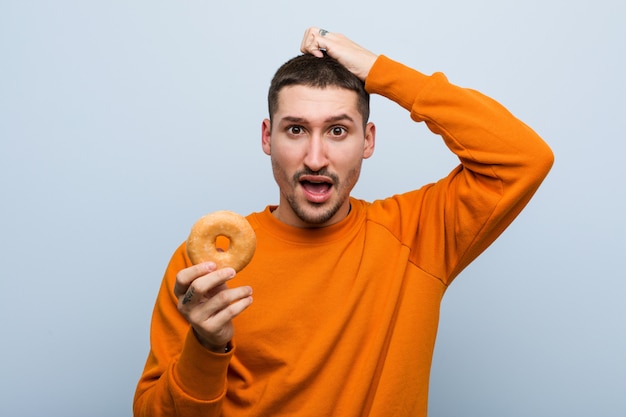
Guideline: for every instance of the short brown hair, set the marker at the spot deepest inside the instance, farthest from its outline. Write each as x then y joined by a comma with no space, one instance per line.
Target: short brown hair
312,71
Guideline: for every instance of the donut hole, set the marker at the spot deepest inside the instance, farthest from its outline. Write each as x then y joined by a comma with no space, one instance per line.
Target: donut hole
222,243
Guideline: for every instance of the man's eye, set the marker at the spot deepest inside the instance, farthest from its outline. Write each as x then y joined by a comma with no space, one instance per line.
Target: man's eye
295,130
337,131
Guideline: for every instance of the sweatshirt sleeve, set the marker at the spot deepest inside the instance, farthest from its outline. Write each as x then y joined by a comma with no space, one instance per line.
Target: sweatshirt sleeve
181,377
502,164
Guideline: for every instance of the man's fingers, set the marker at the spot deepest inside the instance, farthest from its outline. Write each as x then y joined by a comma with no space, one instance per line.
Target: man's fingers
228,304
202,286
356,59
231,311
186,276
212,313
217,330
314,42
208,304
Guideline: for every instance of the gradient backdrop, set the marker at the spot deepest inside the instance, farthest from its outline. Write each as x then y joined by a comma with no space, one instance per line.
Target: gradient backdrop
122,122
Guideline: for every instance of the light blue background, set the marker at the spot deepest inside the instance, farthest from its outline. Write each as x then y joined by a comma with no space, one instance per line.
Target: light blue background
122,122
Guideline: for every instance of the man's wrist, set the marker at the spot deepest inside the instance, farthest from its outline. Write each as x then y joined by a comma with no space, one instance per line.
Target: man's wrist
222,348
225,348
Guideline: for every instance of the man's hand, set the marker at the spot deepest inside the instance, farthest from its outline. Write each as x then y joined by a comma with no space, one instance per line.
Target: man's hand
209,305
355,58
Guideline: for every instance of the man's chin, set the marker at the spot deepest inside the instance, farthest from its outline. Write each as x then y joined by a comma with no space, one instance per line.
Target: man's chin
315,214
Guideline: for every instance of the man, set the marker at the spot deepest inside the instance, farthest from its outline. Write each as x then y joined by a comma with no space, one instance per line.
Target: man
346,292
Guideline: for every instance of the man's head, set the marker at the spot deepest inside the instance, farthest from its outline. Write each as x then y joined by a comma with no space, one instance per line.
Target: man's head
317,139
311,71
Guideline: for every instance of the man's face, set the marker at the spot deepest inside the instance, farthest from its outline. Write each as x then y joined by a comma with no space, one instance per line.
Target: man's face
317,144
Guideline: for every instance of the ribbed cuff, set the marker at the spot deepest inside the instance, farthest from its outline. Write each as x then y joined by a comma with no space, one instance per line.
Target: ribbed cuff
200,372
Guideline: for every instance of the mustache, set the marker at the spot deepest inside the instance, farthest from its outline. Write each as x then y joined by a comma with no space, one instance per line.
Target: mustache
324,172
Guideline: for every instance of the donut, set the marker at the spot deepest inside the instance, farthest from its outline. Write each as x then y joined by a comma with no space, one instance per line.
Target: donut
201,243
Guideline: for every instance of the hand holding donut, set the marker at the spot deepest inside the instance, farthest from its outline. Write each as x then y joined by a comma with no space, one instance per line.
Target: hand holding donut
209,305
204,299
355,58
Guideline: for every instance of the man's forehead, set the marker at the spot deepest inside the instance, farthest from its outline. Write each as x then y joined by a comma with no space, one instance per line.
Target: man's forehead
300,96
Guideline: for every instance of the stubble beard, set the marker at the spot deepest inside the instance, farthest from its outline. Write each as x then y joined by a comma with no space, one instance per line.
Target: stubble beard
316,214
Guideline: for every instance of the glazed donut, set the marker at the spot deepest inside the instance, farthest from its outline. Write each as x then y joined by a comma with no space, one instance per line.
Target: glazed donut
201,243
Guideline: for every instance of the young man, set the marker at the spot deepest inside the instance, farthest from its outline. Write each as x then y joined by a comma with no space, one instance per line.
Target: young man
346,292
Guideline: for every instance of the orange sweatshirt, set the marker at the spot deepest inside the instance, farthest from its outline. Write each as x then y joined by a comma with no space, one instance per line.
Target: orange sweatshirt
345,317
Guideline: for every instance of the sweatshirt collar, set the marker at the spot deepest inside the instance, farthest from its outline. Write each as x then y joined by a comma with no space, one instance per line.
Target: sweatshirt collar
320,235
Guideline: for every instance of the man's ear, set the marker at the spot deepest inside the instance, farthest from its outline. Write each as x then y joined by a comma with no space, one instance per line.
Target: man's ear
370,140
266,133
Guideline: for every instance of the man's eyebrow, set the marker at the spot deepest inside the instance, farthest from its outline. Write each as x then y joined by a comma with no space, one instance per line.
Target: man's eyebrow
340,118
292,119
332,119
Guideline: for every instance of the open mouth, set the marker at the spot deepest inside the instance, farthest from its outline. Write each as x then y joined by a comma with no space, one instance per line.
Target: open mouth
316,189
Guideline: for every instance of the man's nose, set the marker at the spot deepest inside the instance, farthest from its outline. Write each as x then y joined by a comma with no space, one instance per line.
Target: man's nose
316,155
